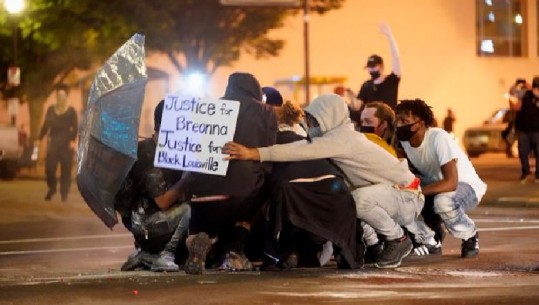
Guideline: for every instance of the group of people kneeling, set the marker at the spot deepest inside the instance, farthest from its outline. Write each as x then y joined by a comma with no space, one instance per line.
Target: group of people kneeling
295,197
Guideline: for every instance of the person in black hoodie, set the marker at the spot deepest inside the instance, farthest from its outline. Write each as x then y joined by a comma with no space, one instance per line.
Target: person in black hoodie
225,206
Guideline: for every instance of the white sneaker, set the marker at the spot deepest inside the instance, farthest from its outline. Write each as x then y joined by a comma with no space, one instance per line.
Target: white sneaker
325,255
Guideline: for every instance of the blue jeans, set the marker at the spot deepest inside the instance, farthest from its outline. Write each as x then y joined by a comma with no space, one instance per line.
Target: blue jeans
452,208
528,142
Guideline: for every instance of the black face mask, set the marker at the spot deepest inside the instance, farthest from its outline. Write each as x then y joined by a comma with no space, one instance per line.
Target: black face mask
374,74
366,129
404,133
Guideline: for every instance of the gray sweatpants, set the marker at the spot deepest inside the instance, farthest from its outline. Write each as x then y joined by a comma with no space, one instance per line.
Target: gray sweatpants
385,209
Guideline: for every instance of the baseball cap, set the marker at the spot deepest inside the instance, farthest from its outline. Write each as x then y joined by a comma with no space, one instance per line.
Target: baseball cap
273,96
374,60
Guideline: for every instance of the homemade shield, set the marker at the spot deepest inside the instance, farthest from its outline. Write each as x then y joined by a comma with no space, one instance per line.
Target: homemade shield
109,131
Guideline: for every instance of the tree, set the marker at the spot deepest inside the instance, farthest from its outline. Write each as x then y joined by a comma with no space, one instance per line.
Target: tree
57,37
202,35
60,36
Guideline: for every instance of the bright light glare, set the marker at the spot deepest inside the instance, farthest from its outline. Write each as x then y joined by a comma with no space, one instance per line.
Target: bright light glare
195,82
518,19
487,46
488,2
14,6
491,17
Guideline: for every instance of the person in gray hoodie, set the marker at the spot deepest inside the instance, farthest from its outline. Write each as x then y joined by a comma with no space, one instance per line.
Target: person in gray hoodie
386,193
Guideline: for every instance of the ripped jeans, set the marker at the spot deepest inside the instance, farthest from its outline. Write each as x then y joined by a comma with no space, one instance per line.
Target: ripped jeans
452,208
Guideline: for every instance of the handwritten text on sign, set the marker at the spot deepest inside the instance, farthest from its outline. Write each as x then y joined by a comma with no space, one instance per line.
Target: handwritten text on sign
193,132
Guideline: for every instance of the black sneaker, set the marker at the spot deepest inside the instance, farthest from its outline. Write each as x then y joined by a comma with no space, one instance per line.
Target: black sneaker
424,249
394,251
470,246
372,253
140,260
198,249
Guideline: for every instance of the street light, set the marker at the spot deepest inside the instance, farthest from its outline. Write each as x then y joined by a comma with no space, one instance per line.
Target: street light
14,8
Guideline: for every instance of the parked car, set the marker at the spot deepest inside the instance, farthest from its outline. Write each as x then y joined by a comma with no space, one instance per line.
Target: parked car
15,152
487,137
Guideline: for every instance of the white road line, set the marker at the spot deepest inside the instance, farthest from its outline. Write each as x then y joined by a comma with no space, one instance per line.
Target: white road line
65,250
507,229
519,199
50,239
494,220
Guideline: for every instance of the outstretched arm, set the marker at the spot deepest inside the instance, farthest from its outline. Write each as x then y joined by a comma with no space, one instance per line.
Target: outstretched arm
319,148
386,30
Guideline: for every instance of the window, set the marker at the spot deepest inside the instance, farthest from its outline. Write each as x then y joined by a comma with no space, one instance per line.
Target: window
500,28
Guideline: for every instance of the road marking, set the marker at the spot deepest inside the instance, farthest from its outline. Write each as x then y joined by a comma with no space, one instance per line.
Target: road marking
507,229
49,239
519,199
521,220
66,250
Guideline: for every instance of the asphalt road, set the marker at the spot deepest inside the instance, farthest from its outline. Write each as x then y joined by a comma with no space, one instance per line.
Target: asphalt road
60,253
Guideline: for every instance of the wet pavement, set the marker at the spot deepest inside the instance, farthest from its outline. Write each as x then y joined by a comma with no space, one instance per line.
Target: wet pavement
60,253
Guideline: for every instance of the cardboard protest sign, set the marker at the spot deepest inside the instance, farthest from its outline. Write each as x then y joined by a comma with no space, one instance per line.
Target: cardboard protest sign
193,132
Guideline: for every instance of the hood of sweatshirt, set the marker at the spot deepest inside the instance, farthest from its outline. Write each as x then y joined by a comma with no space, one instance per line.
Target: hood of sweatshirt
330,111
243,87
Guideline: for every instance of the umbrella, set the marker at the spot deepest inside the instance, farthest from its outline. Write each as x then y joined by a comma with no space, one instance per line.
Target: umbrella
109,131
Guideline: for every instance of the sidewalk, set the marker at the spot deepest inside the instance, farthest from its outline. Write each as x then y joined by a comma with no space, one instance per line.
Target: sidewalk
502,176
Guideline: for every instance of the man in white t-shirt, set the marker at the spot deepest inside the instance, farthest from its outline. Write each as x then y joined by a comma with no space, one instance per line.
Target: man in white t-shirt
445,171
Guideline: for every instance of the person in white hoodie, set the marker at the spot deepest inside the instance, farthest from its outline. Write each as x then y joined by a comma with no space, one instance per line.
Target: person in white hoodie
386,193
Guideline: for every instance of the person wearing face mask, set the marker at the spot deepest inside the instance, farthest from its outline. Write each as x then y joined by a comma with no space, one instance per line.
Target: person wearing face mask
448,178
377,123
385,192
382,87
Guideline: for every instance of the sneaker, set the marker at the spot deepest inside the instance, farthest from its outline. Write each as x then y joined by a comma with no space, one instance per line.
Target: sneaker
425,249
394,251
139,260
49,195
236,262
325,255
198,249
372,253
470,246
165,263
523,179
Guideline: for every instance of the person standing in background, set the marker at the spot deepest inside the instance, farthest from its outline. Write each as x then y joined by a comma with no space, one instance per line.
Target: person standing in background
527,127
516,92
60,126
449,122
382,87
